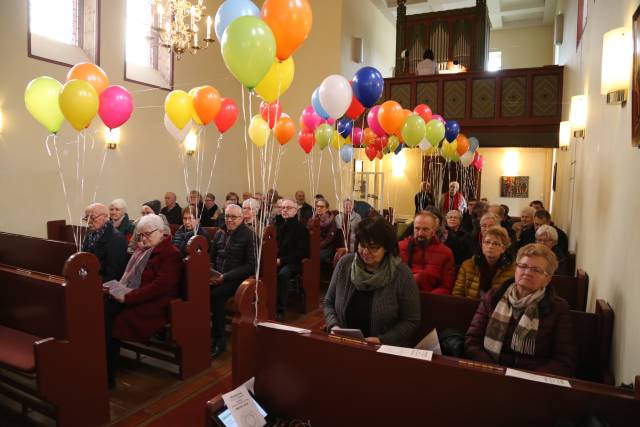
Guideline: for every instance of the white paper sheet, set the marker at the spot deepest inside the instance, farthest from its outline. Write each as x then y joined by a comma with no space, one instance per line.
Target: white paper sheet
242,408
284,327
431,342
535,377
413,353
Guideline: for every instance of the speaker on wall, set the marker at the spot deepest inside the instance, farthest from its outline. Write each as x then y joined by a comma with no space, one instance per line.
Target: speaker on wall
558,29
357,50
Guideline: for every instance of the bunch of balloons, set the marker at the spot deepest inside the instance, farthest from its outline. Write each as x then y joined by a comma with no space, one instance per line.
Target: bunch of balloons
85,94
257,44
271,117
202,105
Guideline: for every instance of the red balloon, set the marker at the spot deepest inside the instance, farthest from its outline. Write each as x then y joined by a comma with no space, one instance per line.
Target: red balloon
227,115
423,111
371,151
479,163
381,142
271,112
306,141
356,108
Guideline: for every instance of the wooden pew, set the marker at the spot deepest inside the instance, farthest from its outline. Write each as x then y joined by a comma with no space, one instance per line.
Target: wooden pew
60,230
34,253
188,341
269,269
331,382
573,289
53,344
311,270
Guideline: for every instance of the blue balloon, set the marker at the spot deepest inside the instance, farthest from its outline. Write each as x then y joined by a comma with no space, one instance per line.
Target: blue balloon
232,9
345,125
368,85
346,153
451,130
399,149
473,144
315,103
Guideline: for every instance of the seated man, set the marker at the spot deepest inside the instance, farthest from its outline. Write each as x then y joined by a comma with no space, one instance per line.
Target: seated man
430,261
190,224
346,223
149,283
467,217
172,210
293,246
424,197
305,211
233,255
527,231
544,217
105,242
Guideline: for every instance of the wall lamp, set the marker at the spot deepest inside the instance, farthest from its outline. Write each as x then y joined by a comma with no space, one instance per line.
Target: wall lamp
564,135
112,137
191,143
578,115
617,60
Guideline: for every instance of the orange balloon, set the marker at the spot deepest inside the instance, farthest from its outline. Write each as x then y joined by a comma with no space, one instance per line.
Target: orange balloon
463,144
391,116
368,137
206,102
405,113
90,73
284,130
290,21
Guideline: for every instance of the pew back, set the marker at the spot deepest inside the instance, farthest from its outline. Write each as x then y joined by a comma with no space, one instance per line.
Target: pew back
311,269
573,289
33,253
60,230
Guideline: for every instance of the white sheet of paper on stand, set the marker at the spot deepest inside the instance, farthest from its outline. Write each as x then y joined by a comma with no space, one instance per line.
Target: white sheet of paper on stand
535,377
413,353
242,408
283,327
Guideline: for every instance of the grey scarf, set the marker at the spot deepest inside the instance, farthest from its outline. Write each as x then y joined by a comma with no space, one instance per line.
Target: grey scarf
135,267
366,281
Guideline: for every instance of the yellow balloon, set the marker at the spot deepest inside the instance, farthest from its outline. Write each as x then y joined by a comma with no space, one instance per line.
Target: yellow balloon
79,103
337,141
194,115
277,81
178,106
259,131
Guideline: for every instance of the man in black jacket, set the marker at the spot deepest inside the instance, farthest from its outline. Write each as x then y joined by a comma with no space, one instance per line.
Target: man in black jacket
233,255
293,246
105,242
172,210
305,211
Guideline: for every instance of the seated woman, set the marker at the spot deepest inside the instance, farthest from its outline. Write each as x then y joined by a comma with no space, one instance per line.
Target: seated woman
190,223
486,271
548,236
250,210
373,290
327,230
151,281
523,324
119,218
210,211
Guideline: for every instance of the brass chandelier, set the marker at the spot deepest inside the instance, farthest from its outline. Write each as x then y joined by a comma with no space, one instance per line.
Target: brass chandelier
176,24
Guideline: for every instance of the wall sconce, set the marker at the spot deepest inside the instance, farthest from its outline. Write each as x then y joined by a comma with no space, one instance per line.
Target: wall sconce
191,143
578,115
398,164
112,136
564,135
617,57
510,163
1,123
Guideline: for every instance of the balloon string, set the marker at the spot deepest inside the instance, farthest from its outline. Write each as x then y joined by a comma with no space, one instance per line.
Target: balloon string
95,194
64,187
246,147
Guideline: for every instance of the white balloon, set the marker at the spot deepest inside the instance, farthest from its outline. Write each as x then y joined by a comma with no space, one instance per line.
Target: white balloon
335,95
424,144
178,134
466,158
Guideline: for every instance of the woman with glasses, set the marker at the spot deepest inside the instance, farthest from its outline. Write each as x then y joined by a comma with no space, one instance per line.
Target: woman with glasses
487,270
373,290
150,281
548,236
523,324
327,222
190,227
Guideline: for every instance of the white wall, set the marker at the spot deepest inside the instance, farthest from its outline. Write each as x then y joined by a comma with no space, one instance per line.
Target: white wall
523,47
598,204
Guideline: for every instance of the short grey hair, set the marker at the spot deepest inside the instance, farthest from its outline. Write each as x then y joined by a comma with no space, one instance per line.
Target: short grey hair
492,216
455,212
548,231
528,211
252,203
233,207
539,250
152,220
119,203
456,183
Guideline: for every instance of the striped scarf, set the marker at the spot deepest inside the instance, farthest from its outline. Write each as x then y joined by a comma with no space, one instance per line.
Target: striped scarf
524,335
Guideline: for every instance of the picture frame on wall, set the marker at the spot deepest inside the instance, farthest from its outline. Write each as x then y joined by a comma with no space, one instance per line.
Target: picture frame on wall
635,88
583,8
514,187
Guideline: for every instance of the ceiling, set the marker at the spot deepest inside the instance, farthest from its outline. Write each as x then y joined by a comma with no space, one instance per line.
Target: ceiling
503,14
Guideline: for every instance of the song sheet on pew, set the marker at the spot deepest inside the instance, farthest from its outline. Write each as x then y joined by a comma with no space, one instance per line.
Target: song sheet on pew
243,408
538,378
116,289
284,327
413,353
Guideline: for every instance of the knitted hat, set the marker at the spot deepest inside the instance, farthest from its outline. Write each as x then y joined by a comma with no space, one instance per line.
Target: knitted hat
153,204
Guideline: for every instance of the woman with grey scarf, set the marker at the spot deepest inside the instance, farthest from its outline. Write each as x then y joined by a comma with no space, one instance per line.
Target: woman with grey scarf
373,290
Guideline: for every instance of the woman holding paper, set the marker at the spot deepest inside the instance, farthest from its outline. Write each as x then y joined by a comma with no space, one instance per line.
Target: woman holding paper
523,324
373,290
138,304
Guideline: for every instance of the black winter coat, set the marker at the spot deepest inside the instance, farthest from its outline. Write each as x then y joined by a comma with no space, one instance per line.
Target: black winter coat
111,251
293,242
233,254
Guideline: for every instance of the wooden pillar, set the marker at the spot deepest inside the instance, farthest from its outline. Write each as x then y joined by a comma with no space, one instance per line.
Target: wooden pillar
401,28
480,40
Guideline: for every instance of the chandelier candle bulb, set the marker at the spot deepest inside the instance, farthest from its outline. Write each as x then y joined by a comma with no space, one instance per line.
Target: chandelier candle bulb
208,28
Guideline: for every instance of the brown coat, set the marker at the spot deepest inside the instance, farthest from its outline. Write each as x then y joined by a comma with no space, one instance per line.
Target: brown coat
468,280
555,347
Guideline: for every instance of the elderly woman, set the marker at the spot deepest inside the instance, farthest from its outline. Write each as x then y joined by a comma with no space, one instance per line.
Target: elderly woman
119,218
487,270
456,238
250,209
210,212
190,227
328,229
139,307
149,208
487,221
548,236
373,290
523,324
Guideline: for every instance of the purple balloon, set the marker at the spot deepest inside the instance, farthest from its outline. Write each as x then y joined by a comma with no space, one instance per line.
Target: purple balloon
310,118
372,121
438,117
116,106
356,137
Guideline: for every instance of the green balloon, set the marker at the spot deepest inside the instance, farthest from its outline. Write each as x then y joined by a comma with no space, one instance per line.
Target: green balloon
41,99
393,143
324,133
413,130
248,49
434,132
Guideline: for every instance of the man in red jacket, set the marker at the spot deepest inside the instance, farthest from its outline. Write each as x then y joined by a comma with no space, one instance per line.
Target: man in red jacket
430,260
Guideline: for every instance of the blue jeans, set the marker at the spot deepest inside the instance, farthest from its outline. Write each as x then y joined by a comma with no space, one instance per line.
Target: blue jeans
285,274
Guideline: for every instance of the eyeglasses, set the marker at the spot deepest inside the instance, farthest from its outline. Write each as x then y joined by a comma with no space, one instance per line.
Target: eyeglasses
534,269
147,234
232,217
492,243
370,248
92,217
287,208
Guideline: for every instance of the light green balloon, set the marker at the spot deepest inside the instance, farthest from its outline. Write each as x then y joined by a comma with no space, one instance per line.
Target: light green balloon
323,134
248,49
434,132
393,143
413,130
41,99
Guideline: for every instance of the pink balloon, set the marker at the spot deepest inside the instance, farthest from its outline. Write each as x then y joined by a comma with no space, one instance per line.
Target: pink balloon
356,137
330,121
438,117
310,118
116,106
372,120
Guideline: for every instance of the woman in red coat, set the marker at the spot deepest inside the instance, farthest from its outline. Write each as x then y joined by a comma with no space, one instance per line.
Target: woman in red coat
137,306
